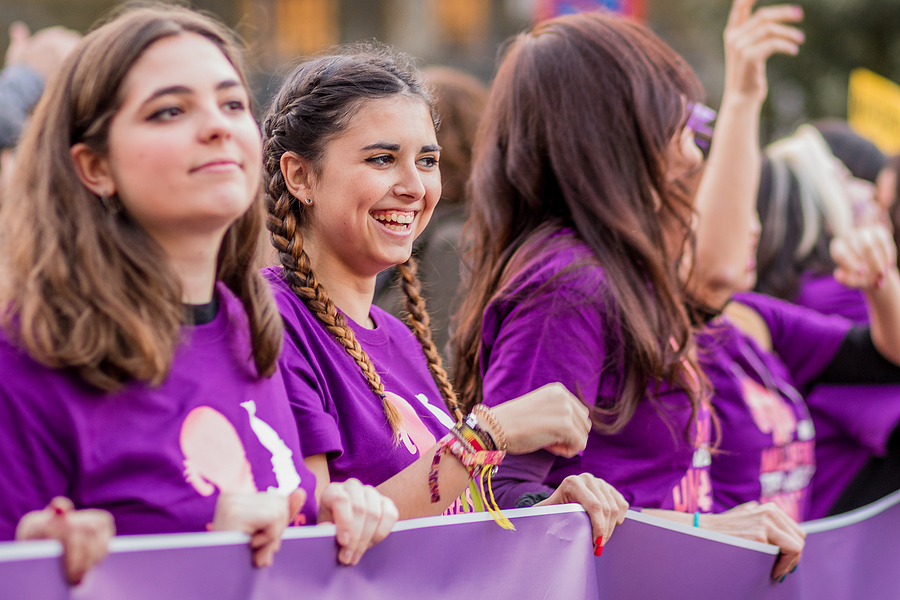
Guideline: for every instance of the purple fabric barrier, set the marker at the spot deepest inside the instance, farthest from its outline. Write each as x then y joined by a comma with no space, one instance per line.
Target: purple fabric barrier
548,556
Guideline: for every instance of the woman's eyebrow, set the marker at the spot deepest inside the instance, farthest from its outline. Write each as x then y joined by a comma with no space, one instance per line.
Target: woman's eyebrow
183,89
383,146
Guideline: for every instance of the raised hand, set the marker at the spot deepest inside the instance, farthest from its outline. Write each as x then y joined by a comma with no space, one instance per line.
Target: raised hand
43,51
864,256
751,38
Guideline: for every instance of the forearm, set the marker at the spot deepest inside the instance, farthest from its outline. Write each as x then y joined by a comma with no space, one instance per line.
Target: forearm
672,515
884,316
411,492
726,202
520,475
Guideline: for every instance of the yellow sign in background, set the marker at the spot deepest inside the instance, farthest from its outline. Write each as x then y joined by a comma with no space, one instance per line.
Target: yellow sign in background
873,109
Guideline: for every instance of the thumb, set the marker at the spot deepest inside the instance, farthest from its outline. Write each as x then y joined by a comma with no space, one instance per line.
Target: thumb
18,32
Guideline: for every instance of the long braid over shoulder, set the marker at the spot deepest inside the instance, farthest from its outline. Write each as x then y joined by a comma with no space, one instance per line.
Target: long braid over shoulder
313,106
419,321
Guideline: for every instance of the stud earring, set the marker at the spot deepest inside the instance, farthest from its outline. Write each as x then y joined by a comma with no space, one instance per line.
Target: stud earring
308,201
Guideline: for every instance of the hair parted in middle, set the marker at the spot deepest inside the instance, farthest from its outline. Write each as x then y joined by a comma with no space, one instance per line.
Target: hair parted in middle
314,105
83,286
575,135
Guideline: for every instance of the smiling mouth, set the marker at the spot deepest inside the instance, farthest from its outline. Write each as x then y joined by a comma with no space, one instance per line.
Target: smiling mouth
395,220
217,165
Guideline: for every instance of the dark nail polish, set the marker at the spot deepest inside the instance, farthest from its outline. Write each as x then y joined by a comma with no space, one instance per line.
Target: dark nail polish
782,578
794,569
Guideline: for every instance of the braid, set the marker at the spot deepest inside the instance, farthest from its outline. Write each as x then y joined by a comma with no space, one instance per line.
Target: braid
316,103
418,320
288,241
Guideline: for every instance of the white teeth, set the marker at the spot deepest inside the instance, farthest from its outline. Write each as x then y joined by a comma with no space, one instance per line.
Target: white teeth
393,217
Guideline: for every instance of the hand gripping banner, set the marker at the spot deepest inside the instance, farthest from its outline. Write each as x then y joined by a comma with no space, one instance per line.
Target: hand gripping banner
548,556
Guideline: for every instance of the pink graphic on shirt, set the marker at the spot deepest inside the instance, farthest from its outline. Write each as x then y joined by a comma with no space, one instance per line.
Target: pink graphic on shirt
787,466
413,433
214,456
784,476
770,412
694,492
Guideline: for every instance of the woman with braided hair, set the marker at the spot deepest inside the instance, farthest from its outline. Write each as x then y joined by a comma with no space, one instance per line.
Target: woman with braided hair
352,164
138,343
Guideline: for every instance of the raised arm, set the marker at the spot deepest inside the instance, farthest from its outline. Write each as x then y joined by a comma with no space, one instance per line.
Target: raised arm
726,197
866,258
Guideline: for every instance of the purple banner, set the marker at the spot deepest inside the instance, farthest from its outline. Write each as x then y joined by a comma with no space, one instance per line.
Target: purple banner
548,556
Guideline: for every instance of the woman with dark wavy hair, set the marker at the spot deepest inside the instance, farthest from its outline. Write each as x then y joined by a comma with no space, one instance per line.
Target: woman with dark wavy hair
581,216
140,391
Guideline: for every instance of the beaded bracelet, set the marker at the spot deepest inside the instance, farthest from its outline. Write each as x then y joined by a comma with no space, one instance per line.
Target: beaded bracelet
496,432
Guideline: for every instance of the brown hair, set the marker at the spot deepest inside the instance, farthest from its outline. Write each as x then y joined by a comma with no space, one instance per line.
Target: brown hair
575,136
459,100
85,287
313,106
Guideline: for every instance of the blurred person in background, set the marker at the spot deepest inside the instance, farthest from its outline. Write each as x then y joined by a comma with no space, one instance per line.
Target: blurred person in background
30,61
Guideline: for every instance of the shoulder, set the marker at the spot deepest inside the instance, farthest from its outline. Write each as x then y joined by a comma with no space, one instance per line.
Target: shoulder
780,314
294,312
562,265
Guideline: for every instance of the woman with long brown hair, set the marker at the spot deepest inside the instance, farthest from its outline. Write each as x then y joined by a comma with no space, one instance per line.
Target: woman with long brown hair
140,391
352,163
581,217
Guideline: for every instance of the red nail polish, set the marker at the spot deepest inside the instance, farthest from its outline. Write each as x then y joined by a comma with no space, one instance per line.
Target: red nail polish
58,511
598,550
599,541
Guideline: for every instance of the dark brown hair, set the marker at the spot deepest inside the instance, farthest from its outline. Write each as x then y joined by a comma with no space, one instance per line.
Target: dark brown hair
314,105
87,288
575,136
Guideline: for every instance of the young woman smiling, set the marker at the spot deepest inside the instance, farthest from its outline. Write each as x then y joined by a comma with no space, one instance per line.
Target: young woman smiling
140,392
352,163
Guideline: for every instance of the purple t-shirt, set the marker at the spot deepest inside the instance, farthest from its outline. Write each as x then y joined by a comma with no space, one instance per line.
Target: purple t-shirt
767,448
823,294
853,422
155,457
337,412
550,323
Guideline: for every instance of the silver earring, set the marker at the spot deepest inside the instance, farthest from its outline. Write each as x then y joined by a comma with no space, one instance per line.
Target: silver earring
308,201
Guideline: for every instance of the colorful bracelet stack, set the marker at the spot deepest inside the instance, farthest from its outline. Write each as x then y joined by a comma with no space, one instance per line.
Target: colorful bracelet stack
476,450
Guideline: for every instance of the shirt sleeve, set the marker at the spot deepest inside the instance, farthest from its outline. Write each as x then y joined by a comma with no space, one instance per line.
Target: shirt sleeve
316,424
805,340
553,336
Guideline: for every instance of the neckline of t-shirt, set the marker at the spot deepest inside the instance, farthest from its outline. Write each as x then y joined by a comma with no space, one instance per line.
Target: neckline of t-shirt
370,337
213,331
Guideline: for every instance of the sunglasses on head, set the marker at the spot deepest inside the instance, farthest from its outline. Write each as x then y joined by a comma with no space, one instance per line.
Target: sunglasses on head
701,120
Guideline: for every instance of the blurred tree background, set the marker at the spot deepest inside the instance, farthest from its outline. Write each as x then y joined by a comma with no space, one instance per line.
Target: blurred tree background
841,35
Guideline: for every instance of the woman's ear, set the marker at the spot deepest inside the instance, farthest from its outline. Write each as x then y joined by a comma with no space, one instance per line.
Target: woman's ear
297,173
93,170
